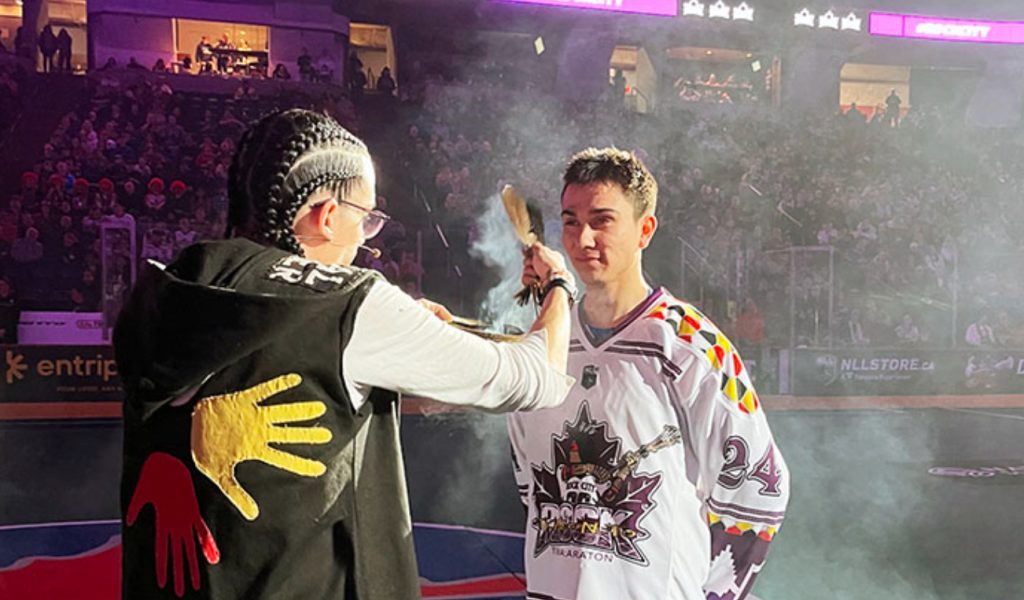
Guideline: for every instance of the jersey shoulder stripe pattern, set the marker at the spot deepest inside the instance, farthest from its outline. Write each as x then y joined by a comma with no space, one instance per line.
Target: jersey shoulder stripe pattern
698,332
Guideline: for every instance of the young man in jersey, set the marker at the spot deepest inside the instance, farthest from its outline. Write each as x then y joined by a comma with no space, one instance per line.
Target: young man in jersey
658,478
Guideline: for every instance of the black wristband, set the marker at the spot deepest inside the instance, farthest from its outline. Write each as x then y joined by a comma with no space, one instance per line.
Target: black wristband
563,283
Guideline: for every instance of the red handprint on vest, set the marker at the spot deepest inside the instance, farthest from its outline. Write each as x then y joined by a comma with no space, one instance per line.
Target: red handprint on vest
166,483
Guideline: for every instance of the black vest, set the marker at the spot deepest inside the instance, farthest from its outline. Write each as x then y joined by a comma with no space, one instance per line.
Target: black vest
231,358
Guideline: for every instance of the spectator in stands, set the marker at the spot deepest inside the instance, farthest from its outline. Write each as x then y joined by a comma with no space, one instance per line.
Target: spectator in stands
110,65
80,191
159,66
907,333
70,256
85,295
892,109
27,249
10,218
53,241
852,200
245,91
133,63
200,199
180,201
29,185
865,230
410,267
10,312
827,235
64,51
130,196
356,83
157,244
156,202
224,43
354,63
48,47
120,217
27,220
204,226
232,123
1006,335
878,116
204,55
184,235
55,183
855,114
325,66
386,84
618,85
855,334
281,72
45,224
305,62
92,222
749,327
980,333
21,46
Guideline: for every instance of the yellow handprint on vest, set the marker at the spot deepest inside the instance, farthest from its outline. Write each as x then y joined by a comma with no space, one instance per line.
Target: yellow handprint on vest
233,428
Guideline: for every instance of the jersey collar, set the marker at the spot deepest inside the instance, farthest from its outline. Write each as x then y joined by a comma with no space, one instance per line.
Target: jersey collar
638,311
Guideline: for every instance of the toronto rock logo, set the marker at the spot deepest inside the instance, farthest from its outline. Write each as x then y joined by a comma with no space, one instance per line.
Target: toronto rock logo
591,496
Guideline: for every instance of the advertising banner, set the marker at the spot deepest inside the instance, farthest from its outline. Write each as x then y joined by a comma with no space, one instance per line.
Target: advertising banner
854,372
954,30
42,374
60,328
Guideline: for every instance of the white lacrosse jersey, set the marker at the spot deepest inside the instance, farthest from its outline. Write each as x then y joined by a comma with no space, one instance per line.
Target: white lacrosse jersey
658,478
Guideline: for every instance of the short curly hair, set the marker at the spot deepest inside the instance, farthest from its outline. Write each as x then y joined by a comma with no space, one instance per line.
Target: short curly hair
603,165
280,162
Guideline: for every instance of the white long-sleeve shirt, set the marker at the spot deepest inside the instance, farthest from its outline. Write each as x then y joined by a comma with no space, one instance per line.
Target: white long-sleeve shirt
397,344
658,478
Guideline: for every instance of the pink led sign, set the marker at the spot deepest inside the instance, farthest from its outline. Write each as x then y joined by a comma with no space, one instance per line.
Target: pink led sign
665,8
954,30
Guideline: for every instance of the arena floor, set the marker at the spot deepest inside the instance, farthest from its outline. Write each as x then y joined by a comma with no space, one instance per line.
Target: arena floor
867,519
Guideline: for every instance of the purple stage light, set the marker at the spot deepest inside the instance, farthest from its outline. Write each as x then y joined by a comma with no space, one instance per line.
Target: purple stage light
663,8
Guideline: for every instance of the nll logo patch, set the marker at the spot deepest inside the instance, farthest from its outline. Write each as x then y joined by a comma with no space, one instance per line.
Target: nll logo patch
589,378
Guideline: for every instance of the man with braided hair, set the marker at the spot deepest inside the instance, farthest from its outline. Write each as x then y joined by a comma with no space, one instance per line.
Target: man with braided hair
261,452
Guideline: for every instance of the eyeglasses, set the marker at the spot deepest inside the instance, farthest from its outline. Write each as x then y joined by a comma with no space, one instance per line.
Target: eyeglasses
373,220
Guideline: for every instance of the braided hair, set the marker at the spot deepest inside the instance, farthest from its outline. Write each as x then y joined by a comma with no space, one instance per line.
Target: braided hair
280,162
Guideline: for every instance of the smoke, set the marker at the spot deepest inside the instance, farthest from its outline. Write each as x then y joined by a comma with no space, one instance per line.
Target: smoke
500,250
845,538
477,486
865,521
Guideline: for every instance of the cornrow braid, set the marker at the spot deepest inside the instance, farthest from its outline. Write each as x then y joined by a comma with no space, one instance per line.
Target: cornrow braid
282,160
